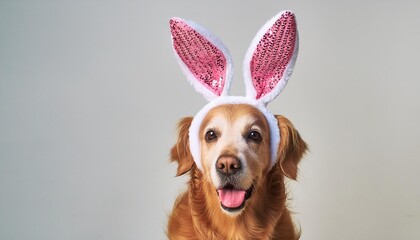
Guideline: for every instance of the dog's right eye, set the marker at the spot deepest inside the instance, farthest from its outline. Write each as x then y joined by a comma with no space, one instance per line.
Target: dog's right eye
210,136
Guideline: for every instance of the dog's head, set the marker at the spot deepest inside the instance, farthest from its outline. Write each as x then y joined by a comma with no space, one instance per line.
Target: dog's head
235,141
235,152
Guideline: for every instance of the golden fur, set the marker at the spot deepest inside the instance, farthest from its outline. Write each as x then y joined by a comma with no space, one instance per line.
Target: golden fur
197,213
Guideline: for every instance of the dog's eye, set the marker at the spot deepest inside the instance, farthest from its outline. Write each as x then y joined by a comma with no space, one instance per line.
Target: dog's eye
210,136
255,136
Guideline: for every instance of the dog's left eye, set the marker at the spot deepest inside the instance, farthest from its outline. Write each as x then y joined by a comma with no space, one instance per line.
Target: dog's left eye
255,136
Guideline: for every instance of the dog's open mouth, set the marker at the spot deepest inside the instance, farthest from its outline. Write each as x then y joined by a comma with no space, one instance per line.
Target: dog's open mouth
232,199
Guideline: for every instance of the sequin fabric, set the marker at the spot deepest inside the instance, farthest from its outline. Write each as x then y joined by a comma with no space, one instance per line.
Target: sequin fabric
272,55
205,61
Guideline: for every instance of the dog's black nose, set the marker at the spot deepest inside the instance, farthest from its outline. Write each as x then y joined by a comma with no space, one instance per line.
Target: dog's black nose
228,165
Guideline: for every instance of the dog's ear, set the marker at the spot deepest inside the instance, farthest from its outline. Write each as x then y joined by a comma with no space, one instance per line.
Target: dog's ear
181,150
291,148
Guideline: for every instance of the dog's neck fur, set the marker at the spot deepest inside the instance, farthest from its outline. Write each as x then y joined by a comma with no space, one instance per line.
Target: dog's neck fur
265,217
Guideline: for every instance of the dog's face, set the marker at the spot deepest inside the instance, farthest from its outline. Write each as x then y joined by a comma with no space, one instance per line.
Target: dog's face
235,152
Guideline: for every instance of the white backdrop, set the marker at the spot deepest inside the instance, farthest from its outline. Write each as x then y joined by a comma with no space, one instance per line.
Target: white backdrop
90,94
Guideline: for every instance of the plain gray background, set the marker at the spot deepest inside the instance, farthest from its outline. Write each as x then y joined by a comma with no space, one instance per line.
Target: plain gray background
90,94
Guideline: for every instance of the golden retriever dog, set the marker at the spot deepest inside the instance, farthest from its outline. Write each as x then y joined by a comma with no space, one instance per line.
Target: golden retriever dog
236,198
237,153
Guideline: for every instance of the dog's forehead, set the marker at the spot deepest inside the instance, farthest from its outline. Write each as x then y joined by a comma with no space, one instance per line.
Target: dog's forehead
238,114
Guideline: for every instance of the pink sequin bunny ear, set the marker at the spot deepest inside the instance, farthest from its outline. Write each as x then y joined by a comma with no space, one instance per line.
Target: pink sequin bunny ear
203,58
271,57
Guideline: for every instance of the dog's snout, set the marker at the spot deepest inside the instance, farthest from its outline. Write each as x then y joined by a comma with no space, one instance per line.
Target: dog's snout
228,165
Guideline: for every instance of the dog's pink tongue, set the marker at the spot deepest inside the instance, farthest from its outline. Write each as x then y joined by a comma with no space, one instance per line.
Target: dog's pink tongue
231,198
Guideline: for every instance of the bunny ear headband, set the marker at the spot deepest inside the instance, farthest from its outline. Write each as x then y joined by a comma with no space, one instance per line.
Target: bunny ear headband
207,64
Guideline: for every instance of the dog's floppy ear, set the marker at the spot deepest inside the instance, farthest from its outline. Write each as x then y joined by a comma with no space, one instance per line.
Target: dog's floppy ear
291,148
181,151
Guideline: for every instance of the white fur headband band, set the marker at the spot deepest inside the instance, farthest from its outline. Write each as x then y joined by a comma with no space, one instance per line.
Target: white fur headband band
207,64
